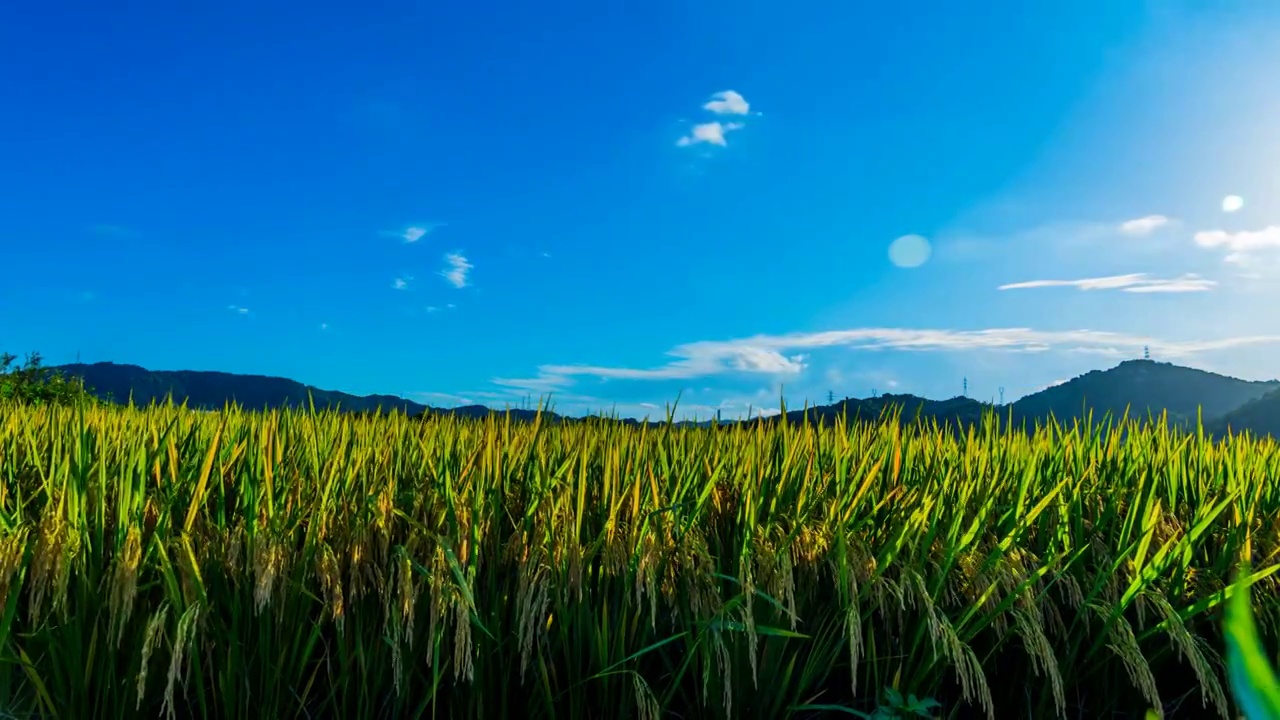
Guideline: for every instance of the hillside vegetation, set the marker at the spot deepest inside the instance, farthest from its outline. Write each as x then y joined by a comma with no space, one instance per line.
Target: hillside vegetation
1142,387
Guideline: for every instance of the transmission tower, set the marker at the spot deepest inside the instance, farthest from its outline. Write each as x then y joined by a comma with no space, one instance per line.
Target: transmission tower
1001,394
965,393
1146,352
831,397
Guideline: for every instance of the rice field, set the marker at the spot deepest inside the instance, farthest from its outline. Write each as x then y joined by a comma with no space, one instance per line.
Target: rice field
162,562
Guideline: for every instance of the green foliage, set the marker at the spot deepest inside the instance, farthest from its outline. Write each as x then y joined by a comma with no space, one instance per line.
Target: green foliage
1253,681
317,564
33,384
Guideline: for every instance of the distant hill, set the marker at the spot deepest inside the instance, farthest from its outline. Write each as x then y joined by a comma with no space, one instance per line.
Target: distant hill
958,411
1142,386
212,390
1138,385
1259,417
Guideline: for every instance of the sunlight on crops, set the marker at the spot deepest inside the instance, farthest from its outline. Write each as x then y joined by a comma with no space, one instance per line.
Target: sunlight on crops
293,564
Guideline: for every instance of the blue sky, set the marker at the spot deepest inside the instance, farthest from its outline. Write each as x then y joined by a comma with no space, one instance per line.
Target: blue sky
618,204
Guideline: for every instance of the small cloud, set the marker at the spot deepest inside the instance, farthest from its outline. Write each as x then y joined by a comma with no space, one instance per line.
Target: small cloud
727,102
413,233
238,309
432,308
546,254
1133,282
400,284
324,326
1232,203
450,306
457,271
1143,225
712,133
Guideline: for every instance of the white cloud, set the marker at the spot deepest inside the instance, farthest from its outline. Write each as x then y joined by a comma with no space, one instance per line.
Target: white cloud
457,271
432,308
1187,283
1243,248
238,309
400,284
768,354
1232,203
450,306
1243,241
712,133
324,326
543,385
1133,282
1143,225
413,233
1046,386
727,102
430,398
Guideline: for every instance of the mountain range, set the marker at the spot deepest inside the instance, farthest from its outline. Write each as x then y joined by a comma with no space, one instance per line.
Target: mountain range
1140,386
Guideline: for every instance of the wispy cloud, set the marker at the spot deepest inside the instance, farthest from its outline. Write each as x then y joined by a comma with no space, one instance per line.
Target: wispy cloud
1133,282
1143,225
1232,203
542,384
727,102
400,284
783,354
457,269
324,326
432,398
239,310
711,133
413,233
1243,248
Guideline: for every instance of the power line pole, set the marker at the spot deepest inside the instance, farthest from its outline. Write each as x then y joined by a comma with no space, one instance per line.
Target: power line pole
965,393
831,397
1001,394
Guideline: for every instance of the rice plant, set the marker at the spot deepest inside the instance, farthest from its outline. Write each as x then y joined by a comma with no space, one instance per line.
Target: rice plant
291,564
